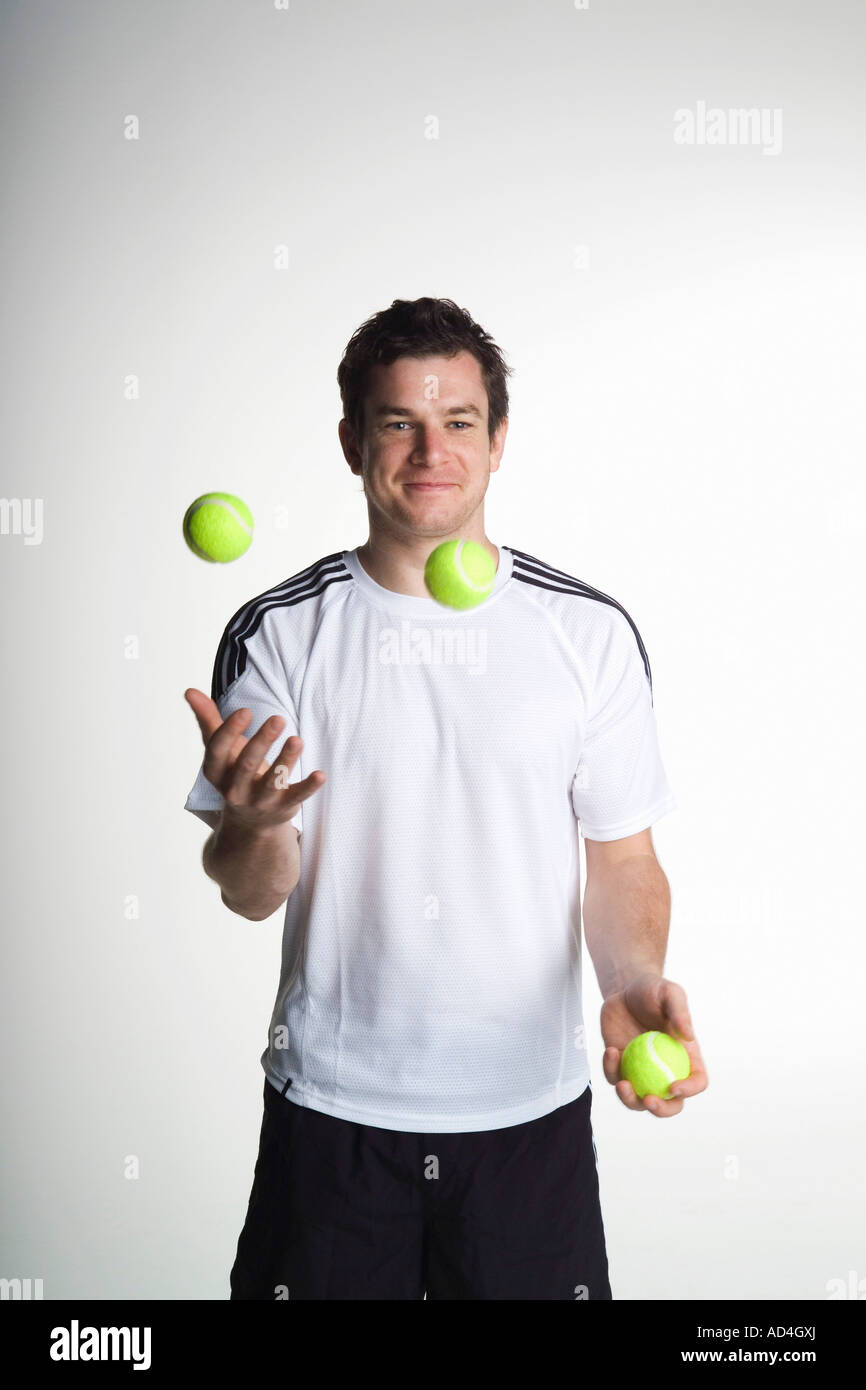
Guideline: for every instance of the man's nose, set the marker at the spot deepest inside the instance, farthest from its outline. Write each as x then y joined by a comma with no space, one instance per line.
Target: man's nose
430,445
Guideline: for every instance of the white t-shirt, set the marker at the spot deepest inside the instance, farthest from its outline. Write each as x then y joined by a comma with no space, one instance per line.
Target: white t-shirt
431,950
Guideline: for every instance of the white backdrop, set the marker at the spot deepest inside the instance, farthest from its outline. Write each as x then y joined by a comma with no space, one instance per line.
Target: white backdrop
203,200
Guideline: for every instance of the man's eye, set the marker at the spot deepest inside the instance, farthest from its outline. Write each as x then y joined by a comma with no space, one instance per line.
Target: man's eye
467,424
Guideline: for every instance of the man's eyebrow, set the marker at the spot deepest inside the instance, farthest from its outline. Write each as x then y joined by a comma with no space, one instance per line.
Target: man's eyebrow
468,409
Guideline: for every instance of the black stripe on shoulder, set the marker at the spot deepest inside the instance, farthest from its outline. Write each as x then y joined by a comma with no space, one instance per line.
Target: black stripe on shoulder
231,657
530,570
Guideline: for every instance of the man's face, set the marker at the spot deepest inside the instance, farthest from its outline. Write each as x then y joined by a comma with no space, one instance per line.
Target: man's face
425,457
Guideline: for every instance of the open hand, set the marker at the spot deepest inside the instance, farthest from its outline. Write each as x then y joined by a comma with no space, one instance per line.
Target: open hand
649,1002
256,794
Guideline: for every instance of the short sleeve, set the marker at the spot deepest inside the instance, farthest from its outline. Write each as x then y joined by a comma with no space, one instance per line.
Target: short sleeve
620,785
260,689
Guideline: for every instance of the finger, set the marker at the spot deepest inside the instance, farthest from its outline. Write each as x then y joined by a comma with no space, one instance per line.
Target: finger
697,1079
246,769
610,1063
206,712
223,747
677,1019
691,1087
625,1091
662,1108
289,795
275,780
304,790
284,762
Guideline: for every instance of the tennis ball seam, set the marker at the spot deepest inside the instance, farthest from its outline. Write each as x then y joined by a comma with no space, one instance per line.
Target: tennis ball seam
458,561
662,1065
214,500
644,1065
449,573
197,550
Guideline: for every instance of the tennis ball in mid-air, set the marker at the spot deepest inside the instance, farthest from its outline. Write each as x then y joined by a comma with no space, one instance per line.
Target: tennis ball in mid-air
460,574
652,1061
218,526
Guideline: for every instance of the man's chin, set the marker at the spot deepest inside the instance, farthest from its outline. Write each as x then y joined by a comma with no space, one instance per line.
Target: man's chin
436,518
428,517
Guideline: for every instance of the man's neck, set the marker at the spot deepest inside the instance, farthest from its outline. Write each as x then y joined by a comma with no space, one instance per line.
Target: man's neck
400,567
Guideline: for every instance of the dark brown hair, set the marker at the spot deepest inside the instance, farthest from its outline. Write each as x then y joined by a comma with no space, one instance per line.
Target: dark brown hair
420,328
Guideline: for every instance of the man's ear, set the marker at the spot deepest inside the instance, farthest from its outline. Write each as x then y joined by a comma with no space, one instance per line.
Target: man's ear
349,445
498,445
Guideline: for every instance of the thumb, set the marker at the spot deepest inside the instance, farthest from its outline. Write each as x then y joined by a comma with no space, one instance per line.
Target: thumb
205,710
677,1019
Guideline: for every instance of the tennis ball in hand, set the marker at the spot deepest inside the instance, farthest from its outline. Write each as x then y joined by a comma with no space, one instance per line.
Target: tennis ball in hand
218,526
460,574
652,1061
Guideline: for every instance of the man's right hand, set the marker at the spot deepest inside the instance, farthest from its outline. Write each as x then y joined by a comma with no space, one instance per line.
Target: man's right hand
256,795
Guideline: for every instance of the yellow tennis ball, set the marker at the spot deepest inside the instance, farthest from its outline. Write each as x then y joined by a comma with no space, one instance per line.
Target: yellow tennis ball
218,526
652,1061
460,574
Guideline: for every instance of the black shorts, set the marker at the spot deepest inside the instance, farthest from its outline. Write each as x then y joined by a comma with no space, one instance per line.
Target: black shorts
345,1210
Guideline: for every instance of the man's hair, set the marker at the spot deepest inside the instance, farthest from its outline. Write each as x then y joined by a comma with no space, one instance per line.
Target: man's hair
420,328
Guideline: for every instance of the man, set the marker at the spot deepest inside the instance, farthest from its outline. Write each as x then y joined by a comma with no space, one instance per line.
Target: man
407,779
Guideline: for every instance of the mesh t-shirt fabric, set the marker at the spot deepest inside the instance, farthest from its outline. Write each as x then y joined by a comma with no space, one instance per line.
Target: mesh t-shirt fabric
431,955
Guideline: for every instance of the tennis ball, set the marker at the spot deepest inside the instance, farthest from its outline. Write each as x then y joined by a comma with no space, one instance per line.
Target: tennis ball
651,1061
460,574
218,527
